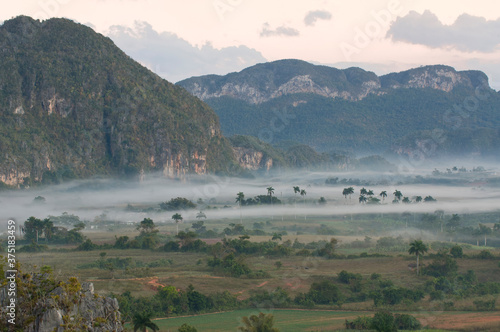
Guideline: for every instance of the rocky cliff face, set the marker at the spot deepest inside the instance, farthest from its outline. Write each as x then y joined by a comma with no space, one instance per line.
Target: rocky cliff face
73,105
261,83
69,306
442,78
252,160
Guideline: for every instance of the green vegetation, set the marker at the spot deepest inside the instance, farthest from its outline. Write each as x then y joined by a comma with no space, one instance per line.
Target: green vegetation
74,105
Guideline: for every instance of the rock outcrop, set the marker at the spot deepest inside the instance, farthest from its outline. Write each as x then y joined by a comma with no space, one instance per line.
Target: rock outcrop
69,306
263,82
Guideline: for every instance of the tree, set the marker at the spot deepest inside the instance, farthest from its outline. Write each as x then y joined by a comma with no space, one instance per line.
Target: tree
383,194
418,199
406,200
200,215
276,236
453,224
33,229
398,194
429,199
348,192
179,203
296,190
363,191
370,193
147,226
240,198
270,191
177,218
187,328
142,321
260,323
362,199
417,248
383,321
484,230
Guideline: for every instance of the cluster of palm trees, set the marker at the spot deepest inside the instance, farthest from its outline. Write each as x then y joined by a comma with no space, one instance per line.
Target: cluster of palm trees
367,196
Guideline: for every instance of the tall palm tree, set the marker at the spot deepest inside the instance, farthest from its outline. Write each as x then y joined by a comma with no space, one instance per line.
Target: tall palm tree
363,191
142,321
398,194
362,199
345,192
417,248
270,192
296,190
239,198
350,191
370,193
177,218
383,194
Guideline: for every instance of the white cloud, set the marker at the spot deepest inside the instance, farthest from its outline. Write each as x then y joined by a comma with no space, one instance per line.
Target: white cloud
468,33
315,15
174,58
279,31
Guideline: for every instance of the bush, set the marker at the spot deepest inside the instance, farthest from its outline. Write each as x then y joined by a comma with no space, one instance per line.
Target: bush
456,251
325,292
485,305
360,323
187,328
383,321
407,322
485,254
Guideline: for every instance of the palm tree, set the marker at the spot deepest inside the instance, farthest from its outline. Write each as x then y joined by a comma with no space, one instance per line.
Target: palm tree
362,199
270,192
418,199
406,200
363,191
370,193
417,248
345,192
177,218
142,321
296,190
350,191
398,194
276,236
239,198
260,323
383,194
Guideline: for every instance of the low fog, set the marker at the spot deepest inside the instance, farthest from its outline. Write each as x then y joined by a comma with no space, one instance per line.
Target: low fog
89,199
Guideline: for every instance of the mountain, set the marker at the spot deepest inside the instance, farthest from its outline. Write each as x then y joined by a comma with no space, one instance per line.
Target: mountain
355,110
73,105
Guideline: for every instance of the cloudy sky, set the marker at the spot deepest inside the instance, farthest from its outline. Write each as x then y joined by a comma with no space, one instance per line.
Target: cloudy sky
180,39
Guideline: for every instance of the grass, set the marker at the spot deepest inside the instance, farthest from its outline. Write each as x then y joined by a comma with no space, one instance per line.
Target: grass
327,320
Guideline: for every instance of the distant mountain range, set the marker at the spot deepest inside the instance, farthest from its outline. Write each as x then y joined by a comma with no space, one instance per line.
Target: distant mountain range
355,110
73,105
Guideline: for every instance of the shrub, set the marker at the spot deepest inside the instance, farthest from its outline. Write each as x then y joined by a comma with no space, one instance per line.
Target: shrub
457,251
406,322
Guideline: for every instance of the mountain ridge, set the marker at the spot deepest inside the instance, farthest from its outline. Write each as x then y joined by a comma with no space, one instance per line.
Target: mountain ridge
355,110
74,105
263,82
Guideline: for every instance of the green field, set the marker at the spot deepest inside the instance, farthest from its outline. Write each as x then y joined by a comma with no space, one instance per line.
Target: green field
285,319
